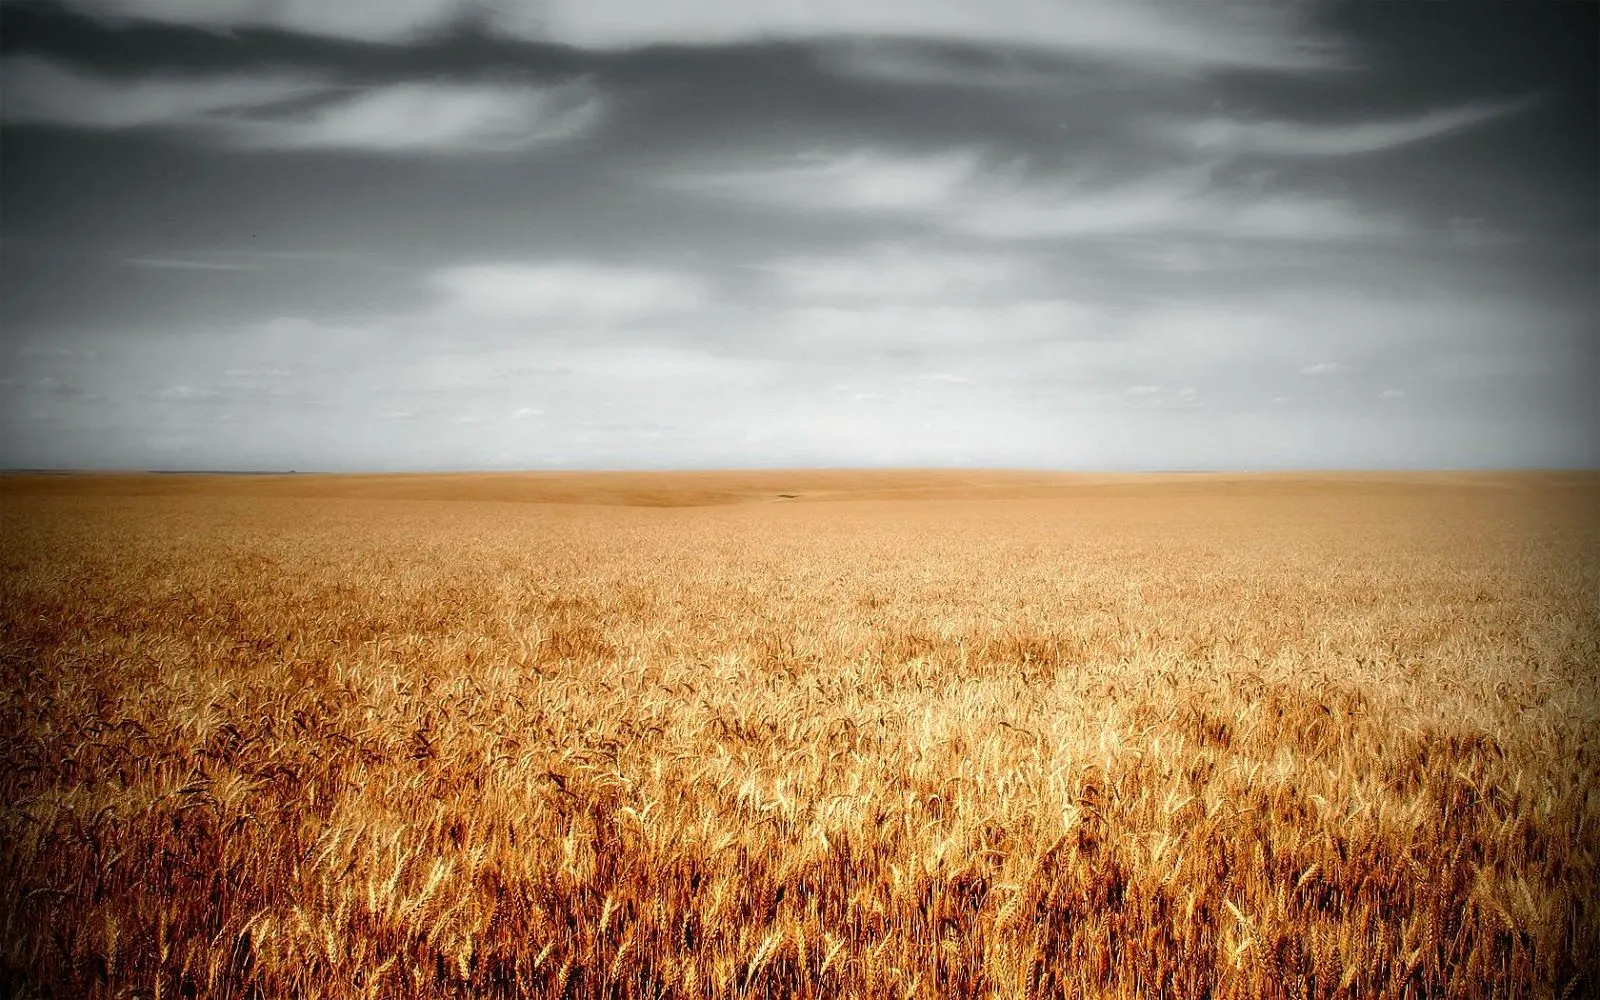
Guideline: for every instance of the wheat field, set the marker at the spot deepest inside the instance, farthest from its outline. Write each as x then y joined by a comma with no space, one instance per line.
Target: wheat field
790,734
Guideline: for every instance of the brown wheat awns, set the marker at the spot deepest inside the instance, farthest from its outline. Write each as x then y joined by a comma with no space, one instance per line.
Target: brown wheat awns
944,736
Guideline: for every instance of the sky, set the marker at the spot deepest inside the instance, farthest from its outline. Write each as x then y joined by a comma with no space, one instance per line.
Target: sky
523,234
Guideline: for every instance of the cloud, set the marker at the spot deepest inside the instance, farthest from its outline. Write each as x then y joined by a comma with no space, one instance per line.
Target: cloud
921,64
963,191
574,292
864,330
895,272
855,181
1158,35
40,90
188,394
49,385
1156,382
1323,368
265,371
184,264
942,378
288,111
1182,202
1392,394
1196,256
47,349
376,20
431,117
1156,397
58,387
1285,138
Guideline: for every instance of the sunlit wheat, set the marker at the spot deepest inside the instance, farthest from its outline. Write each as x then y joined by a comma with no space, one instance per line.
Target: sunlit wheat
1271,737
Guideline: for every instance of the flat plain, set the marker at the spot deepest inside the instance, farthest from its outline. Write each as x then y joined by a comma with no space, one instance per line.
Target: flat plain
801,734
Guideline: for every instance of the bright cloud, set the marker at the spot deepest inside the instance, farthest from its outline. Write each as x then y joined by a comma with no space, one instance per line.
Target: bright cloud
422,117
287,111
1165,36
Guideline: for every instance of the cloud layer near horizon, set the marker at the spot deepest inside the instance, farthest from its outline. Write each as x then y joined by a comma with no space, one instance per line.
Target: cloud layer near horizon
421,235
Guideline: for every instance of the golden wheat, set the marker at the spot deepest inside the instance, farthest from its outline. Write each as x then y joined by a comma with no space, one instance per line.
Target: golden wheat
943,736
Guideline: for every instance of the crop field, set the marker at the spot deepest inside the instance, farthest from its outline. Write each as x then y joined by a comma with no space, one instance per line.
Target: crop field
800,734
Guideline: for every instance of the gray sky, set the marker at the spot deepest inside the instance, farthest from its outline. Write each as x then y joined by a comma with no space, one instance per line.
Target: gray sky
418,234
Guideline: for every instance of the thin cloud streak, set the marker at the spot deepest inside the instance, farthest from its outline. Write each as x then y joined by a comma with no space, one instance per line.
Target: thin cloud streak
962,192
181,264
300,112
1298,139
920,64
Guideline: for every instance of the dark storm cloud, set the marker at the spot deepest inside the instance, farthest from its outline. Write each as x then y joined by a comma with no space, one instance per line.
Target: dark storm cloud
246,234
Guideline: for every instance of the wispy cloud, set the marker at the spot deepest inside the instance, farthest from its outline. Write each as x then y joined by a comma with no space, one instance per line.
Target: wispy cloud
290,111
841,181
1159,35
187,264
943,65
965,192
1302,139
1176,202
895,272
189,394
41,90
375,20
567,290
930,329
431,117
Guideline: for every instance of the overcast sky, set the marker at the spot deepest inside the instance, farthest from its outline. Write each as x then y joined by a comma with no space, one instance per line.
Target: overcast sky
1099,234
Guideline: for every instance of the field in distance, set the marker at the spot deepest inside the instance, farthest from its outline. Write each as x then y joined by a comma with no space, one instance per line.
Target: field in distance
800,733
